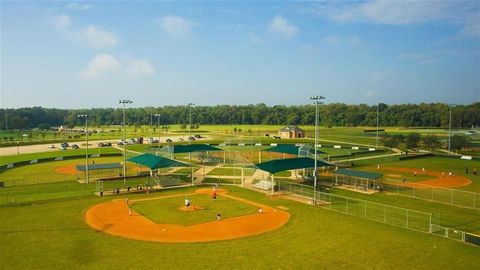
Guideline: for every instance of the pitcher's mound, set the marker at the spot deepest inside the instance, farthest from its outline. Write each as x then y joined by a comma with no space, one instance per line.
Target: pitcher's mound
191,208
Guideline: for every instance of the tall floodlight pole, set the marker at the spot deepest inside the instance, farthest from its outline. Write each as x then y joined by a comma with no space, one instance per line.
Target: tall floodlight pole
86,146
450,106
158,130
317,101
376,141
189,142
190,122
124,102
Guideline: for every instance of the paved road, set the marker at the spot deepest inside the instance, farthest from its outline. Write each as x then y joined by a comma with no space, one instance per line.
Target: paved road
37,148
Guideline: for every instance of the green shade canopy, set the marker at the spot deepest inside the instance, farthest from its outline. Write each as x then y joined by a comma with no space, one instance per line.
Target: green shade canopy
359,174
185,148
104,166
155,162
279,165
289,149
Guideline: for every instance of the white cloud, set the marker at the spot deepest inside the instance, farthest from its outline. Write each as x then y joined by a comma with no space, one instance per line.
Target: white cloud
370,93
98,38
281,26
139,68
100,65
93,36
78,6
176,26
421,58
460,13
62,22
107,65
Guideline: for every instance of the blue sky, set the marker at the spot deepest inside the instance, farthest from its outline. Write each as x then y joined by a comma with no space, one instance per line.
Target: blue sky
90,54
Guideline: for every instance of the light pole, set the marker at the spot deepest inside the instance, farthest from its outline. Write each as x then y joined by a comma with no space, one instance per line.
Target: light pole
189,142
450,106
317,101
86,146
376,141
124,102
158,129
190,122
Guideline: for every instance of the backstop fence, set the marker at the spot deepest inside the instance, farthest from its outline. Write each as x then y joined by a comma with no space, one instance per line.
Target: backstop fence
461,198
383,213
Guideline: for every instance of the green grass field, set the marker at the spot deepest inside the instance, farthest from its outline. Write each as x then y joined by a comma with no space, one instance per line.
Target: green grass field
165,210
53,235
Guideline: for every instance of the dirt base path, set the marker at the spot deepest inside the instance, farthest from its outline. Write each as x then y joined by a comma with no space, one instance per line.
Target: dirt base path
439,180
113,218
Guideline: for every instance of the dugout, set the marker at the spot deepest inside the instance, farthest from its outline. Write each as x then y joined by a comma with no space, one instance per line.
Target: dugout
98,171
360,180
278,165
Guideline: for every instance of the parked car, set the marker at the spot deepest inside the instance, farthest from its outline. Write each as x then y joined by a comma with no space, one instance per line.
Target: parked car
63,148
107,144
197,136
140,140
154,141
169,140
191,138
100,144
74,146
64,144
52,146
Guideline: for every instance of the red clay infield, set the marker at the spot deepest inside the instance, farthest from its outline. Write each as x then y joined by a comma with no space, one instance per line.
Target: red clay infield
439,180
113,218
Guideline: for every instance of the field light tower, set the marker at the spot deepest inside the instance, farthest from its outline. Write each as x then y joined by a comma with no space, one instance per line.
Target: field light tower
124,102
86,145
450,106
190,105
158,129
317,100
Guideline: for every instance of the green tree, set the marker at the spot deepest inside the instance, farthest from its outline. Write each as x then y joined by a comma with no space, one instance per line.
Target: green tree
458,142
412,140
431,142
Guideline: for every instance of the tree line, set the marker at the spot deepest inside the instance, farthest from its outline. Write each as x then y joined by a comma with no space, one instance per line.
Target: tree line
334,114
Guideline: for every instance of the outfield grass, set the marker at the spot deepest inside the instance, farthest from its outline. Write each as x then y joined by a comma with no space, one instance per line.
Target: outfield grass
211,180
165,210
53,235
45,172
231,172
457,166
446,215
53,154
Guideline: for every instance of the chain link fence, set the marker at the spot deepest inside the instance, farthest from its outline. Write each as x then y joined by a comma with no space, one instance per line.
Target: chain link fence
450,196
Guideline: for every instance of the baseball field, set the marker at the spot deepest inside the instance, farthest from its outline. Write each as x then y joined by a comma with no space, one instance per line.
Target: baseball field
49,220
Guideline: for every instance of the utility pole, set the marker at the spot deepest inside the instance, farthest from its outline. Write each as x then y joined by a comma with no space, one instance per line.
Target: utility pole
317,101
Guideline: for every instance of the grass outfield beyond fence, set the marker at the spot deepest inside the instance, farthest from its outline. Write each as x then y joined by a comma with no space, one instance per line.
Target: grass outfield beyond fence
392,215
455,197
